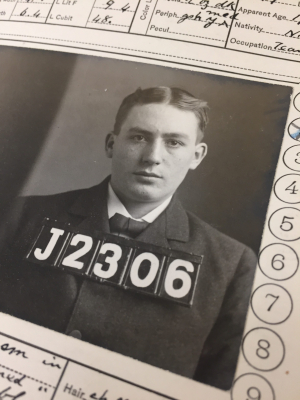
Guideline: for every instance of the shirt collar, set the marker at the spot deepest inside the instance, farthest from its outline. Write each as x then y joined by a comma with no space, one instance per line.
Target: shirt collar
114,205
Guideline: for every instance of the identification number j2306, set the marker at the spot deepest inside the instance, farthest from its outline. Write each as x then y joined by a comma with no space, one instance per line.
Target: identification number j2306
110,259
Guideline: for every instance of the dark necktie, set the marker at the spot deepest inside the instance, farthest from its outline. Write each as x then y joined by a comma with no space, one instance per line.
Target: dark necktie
126,226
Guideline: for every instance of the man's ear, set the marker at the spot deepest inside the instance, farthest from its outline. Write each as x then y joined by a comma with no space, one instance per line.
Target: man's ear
109,144
200,153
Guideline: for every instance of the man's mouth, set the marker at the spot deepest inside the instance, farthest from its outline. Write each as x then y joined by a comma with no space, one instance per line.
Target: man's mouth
147,174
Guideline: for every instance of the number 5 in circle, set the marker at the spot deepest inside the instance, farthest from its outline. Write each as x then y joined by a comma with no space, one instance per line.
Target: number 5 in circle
285,224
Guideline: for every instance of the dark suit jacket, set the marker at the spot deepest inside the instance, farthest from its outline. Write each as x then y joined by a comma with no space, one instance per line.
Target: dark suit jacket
201,342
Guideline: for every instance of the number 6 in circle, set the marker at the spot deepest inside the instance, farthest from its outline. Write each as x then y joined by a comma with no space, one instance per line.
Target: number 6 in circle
278,258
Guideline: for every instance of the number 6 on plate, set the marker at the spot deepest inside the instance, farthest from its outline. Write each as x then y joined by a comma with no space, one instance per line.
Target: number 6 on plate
180,280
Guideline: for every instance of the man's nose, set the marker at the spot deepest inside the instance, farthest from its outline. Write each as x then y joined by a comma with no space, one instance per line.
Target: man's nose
153,152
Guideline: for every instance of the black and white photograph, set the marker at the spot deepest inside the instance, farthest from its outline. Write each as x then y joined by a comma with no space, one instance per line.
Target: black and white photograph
133,204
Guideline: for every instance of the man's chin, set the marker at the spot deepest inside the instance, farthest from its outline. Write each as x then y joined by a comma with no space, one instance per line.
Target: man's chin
146,194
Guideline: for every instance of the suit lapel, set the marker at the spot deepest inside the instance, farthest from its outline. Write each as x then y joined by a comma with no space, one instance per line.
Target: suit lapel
155,233
91,207
177,227
172,224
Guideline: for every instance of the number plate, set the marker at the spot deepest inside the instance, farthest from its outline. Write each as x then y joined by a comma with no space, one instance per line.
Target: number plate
111,262
49,245
105,258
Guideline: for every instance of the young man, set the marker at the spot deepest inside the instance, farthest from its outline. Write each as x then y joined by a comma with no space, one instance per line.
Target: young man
156,140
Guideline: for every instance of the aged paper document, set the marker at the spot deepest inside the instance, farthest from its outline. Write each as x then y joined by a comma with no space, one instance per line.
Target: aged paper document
150,218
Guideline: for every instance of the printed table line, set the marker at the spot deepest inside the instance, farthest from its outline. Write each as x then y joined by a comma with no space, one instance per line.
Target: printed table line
203,9
279,34
27,376
203,37
60,379
26,2
89,14
90,22
28,16
114,9
69,360
287,4
150,52
231,25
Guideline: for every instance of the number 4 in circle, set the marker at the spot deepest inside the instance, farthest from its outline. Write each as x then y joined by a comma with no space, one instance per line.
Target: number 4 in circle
292,188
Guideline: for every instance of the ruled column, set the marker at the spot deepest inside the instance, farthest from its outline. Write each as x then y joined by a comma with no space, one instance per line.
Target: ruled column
114,15
205,22
70,12
143,16
268,28
6,8
33,11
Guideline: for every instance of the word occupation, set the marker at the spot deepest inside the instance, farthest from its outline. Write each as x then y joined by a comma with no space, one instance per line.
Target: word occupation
111,259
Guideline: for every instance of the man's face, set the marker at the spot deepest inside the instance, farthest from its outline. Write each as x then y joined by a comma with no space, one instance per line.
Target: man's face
152,153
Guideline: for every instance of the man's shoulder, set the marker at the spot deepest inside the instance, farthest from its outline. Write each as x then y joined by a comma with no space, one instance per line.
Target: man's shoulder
62,198
30,211
52,202
214,240
199,226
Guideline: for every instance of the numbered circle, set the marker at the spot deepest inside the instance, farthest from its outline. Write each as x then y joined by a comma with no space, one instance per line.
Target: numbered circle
285,224
252,387
287,188
278,261
271,304
294,129
291,158
297,102
263,349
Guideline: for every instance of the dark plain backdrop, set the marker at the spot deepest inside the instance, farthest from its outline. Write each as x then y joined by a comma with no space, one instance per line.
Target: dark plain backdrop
57,108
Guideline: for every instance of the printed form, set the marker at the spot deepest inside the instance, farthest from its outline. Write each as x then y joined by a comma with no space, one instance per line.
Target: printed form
252,40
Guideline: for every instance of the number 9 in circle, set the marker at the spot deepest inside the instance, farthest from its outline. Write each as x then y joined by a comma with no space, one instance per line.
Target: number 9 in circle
252,387
253,393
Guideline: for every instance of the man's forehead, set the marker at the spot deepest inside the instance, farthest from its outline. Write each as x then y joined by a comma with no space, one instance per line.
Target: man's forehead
168,134
161,116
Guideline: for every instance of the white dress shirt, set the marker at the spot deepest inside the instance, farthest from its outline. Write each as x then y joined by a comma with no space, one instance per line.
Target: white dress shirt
114,205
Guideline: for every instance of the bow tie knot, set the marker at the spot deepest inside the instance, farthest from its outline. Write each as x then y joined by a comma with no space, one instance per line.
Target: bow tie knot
119,224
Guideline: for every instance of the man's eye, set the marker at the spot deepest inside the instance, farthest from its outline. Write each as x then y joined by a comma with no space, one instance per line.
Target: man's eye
174,143
138,138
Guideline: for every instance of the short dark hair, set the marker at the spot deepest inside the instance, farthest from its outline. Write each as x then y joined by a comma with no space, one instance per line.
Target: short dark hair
176,97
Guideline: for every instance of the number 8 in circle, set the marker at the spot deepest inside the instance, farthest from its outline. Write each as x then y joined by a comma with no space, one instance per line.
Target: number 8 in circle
262,351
